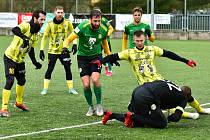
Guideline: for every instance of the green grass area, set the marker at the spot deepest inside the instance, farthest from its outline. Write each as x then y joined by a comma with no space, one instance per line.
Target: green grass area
58,109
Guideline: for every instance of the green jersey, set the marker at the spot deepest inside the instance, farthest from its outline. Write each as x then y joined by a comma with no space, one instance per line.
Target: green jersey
105,22
89,39
131,28
57,34
16,52
142,62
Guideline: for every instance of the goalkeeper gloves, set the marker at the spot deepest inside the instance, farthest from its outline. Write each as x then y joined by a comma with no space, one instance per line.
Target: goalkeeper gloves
191,63
41,55
114,62
74,49
25,41
176,116
65,51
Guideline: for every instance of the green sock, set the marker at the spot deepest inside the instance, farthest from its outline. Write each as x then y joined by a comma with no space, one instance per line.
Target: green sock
110,67
97,91
88,96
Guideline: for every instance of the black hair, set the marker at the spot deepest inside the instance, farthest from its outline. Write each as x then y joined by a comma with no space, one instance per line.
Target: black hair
95,12
36,13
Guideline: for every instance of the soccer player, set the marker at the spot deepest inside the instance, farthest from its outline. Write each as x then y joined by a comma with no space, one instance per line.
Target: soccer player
136,25
91,34
148,101
142,60
24,41
104,21
58,29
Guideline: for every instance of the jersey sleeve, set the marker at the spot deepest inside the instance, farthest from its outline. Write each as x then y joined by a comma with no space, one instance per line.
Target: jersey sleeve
105,22
158,51
124,55
47,30
126,30
71,27
45,37
78,30
24,26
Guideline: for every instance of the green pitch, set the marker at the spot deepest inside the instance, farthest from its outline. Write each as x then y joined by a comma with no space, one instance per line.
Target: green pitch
66,112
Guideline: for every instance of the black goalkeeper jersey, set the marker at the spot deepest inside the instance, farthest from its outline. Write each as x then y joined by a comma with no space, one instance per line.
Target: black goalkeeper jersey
160,92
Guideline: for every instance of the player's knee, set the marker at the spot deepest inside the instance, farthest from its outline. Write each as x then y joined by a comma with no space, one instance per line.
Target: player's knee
95,81
48,73
9,82
21,82
86,86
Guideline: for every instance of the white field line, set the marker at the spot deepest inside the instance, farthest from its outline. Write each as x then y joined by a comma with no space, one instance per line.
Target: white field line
63,128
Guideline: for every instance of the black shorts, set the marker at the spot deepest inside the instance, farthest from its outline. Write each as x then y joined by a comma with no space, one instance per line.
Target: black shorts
141,101
14,69
64,58
89,64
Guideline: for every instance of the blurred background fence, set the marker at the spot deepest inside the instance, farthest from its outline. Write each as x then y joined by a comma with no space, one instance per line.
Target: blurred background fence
174,19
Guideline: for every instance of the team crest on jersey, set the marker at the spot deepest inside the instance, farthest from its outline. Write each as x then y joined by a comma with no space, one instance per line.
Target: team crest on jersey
76,30
100,36
92,41
11,71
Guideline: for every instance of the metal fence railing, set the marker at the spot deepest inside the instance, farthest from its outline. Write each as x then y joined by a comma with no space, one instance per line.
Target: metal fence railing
192,22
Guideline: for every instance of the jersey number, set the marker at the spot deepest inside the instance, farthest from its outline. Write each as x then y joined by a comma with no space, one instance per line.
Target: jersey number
171,86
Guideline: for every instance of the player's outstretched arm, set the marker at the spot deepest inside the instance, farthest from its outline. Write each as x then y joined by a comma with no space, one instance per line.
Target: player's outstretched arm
176,57
112,59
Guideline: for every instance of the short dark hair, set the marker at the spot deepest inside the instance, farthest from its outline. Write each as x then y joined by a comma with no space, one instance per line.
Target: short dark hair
137,9
36,13
95,12
138,33
187,92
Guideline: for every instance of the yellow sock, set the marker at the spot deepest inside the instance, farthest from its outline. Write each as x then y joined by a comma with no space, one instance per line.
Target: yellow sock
46,83
19,94
195,104
69,84
5,98
184,114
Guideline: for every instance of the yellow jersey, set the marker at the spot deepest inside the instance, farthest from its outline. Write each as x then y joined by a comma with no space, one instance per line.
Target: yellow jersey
57,34
16,52
142,62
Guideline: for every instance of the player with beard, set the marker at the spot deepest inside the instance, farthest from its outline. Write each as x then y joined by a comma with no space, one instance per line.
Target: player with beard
58,29
24,41
104,21
134,26
91,34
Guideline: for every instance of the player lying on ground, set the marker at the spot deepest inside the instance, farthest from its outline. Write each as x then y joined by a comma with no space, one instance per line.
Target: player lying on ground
142,59
148,101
